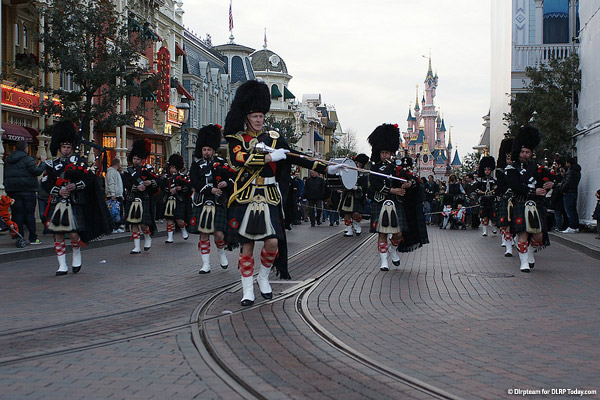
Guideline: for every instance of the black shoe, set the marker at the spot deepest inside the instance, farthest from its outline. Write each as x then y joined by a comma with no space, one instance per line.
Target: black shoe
396,263
166,241
531,265
146,248
267,296
76,269
508,255
338,222
204,272
312,225
524,270
246,302
318,222
134,252
61,273
331,224
224,266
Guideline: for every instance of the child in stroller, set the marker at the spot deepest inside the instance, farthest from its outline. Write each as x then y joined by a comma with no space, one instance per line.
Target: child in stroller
6,224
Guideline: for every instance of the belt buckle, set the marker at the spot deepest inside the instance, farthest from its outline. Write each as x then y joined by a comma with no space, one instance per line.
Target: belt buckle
260,181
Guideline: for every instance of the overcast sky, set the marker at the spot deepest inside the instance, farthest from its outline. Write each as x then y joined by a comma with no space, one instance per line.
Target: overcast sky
366,57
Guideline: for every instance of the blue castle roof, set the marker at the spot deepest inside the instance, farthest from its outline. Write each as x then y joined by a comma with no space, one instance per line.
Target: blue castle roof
456,161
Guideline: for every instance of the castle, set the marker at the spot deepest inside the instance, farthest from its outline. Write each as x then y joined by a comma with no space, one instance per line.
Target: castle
425,136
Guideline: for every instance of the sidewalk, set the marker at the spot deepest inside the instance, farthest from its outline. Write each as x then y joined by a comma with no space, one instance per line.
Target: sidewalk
584,242
10,252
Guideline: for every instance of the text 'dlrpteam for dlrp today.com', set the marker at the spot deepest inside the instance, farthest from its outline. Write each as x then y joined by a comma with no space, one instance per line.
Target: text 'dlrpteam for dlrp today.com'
552,391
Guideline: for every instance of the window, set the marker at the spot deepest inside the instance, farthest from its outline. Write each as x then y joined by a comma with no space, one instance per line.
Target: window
17,38
66,82
25,41
237,70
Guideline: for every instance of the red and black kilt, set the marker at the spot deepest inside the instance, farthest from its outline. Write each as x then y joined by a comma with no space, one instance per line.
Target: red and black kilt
183,209
486,207
220,218
235,216
376,210
147,212
501,205
518,223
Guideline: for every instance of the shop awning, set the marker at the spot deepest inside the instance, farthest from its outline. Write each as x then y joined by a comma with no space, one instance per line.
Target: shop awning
275,92
287,94
179,51
318,138
18,133
184,92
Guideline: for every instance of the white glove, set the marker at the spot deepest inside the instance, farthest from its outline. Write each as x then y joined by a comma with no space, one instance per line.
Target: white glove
279,155
336,169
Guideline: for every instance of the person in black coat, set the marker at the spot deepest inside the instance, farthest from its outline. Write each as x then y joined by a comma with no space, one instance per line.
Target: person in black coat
21,184
568,189
314,192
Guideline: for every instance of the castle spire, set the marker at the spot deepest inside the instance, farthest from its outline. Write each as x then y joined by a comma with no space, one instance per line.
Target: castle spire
429,79
417,99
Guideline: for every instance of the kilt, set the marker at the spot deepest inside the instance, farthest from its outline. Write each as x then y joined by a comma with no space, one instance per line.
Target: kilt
400,212
77,217
183,209
501,206
147,214
236,214
486,207
359,202
220,218
518,216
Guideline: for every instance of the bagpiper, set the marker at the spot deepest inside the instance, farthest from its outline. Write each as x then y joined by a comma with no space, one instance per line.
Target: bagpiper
394,201
76,205
504,195
177,191
529,184
140,184
354,201
211,178
262,165
487,193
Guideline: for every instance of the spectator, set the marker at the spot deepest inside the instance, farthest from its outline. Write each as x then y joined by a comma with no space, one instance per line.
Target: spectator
21,183
314,192
472,213
596,214
569,191
556,197
114,193
455,188
431,188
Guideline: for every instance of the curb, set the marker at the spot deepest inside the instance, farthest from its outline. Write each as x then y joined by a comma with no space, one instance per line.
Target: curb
583,248
28,253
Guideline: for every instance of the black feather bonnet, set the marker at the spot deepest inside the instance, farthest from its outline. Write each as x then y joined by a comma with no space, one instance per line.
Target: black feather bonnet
252,96
384,137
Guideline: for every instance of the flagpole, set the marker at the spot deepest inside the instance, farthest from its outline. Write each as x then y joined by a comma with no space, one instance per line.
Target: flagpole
230,22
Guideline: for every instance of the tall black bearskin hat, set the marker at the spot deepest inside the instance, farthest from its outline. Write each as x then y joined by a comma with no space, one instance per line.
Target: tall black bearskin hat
528,137
486,162
176,160
361,158
208,136
63,132
252,96
505,148
384,137
141,148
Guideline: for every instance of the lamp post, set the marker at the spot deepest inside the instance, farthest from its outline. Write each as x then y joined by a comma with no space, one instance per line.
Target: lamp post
185,107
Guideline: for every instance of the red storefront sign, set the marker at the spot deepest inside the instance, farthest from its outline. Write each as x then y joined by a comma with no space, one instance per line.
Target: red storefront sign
19,98
163,67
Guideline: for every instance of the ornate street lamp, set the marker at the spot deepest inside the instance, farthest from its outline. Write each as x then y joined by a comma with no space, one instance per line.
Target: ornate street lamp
185,107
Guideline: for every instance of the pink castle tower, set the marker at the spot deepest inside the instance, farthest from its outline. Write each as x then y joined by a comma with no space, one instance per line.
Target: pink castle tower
429,112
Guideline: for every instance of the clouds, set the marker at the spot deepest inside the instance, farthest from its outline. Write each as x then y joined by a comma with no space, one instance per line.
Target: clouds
365,56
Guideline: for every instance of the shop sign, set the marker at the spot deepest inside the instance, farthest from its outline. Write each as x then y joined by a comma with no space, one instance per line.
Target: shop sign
168,129
19,98
173,115
164,78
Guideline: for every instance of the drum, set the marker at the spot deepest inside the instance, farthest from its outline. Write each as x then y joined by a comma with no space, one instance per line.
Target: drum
349,176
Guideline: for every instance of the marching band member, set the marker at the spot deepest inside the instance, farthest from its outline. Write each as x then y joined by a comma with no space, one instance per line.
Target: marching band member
527,181
140,183
177,189
354,201
503,195
486,191
387,214
211,178
255,205
76,205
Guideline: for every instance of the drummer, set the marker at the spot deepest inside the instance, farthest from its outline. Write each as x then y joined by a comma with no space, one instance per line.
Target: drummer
354,199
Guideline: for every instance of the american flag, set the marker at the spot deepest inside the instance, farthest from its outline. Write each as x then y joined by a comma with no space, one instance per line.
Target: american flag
230,18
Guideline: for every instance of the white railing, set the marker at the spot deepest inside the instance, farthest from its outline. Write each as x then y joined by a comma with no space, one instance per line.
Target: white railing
533,55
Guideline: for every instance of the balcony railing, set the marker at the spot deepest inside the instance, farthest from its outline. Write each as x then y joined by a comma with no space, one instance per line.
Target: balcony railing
533,55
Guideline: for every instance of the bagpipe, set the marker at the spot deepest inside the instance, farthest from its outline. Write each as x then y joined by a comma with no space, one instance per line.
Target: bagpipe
61,219
174,181
136,210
